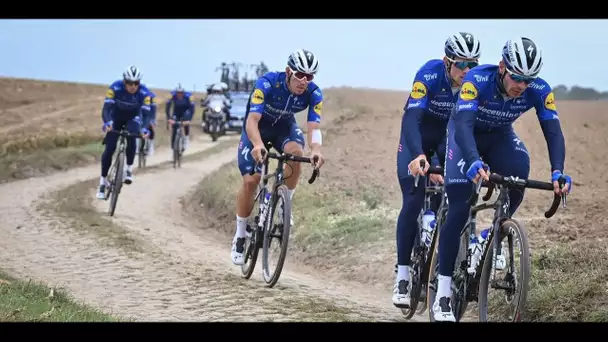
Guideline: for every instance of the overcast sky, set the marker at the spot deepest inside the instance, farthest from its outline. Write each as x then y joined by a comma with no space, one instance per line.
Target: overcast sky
358,53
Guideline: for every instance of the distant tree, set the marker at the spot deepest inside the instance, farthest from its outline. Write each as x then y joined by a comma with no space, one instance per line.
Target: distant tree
225,72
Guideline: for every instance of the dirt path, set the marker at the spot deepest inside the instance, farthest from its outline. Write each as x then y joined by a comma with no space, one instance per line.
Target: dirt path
181,273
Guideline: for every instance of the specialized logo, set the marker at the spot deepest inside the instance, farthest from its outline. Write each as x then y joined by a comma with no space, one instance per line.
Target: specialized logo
418,90
550,102
318,108
110,94
468,91
257,97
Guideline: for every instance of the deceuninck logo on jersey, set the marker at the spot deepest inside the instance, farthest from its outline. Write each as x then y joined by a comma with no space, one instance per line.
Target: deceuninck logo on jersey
468,91
418,90
257,97
550,102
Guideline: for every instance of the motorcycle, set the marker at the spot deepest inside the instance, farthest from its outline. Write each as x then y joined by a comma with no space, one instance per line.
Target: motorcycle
216,119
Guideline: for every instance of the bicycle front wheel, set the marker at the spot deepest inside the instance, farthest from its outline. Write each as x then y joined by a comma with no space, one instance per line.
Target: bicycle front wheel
279,231
509,280
117,181
254,242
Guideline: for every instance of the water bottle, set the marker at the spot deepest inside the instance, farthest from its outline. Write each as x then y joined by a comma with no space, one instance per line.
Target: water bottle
476,246
428,224
264,209
474,251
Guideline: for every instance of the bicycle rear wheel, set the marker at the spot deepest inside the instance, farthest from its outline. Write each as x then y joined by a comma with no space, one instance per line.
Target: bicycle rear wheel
278,231
254,242
510,290
117,182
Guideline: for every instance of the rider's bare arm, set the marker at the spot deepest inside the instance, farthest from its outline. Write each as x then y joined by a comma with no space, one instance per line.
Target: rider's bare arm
314,136
252,128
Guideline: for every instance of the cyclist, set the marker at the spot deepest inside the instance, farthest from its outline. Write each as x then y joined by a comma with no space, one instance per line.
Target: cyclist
492,97
183,109
150,123
423,128
126,101
270,117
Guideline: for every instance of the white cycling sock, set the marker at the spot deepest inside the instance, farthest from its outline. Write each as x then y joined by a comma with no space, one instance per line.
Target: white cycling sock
403,272
241,227
445,287
102,180
130,168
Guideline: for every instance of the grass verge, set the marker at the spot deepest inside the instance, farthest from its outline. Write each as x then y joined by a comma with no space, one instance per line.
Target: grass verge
60,154
35,302
74,205
569,283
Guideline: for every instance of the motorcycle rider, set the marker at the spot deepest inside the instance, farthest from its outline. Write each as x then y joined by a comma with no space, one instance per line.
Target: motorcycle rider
216,94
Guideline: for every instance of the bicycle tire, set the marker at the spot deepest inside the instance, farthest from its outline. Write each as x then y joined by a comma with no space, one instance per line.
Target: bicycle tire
280,193
415,277
524,270
117,186
176,147
426,271
255,241
460,305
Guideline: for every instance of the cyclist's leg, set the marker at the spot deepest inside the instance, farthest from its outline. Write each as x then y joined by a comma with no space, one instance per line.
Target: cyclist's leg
173,133
290,139
244,197
508,156
110,141
186,136
458,189
407,223
134,127
151,138
439,159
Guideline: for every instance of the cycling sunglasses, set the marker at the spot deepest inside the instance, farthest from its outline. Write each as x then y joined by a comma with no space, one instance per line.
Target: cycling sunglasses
464,64
131,83
301,76
519,78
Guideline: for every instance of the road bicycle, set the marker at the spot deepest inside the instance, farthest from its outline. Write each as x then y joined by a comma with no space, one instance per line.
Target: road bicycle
178,144
117,169
467,287
143,147
262,227
424,243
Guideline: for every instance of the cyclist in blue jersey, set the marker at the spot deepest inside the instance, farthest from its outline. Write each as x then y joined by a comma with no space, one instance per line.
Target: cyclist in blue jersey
492,97
270,117
150,123
423,128
125,103
183,109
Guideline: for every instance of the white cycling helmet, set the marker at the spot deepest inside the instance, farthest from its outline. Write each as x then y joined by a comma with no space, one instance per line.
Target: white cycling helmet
303,61
522,57
132,74
179,88
216,87
462,45
223,85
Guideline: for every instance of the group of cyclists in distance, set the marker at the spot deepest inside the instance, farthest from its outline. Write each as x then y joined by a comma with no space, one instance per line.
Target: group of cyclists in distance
459,116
